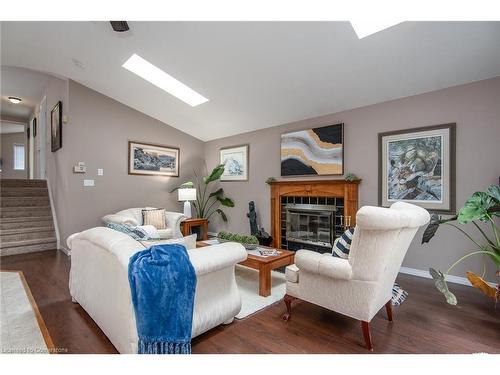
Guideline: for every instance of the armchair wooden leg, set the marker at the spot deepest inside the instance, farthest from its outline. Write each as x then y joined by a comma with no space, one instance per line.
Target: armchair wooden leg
288,302
388,308
365,326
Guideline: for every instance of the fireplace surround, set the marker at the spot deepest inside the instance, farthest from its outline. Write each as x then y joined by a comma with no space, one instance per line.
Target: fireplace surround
311,214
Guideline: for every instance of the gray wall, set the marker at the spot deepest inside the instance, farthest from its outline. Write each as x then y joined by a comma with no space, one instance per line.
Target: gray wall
7,152
475,109
97,133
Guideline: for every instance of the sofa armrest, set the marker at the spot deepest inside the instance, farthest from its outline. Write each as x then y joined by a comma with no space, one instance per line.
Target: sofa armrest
120,219
216,257
173,220
323,264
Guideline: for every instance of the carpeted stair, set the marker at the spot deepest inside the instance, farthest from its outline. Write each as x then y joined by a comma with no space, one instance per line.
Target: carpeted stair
26,223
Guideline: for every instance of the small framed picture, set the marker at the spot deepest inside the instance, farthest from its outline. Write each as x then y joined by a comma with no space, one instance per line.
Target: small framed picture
235,159
56,127
418,166
153,160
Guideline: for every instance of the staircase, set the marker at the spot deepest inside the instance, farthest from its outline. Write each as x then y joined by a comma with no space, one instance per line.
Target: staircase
26,223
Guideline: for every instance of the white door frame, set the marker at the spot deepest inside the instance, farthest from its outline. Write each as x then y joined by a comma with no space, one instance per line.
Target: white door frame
31,151
42,137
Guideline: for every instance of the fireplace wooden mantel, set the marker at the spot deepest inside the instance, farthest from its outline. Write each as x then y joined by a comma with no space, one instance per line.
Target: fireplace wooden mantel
348,190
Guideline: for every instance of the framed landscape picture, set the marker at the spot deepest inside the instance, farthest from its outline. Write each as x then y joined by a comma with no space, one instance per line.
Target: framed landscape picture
151,159
418,166
56,127
317,151
235,159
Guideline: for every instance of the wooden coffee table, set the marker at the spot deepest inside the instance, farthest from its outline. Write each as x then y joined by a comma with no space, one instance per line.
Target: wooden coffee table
264,265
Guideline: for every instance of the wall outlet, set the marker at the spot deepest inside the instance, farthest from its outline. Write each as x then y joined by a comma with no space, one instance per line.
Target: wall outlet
79,169
100,171
88,183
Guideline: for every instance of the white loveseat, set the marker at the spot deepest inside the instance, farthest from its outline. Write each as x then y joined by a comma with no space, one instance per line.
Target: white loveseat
99,283
362,284
133,217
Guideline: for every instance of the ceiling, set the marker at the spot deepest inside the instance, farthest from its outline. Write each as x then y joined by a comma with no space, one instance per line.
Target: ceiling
25,84
257,74
8,127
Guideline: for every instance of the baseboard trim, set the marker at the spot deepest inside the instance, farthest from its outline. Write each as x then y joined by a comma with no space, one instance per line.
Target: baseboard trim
450,278
65,251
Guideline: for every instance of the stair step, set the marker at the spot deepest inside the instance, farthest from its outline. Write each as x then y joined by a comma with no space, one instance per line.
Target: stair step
21,219
5,232
32,248
26,235
24,192
34,241
26,223
23,183
25,201
11,212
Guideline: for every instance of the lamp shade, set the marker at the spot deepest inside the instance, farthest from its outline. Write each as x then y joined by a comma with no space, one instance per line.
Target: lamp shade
188,194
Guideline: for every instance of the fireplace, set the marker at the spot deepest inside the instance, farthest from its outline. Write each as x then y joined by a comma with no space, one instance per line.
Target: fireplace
312,214
312,224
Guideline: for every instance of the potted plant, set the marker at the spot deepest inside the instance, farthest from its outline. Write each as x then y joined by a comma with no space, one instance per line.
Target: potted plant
208,202
248,241
482,206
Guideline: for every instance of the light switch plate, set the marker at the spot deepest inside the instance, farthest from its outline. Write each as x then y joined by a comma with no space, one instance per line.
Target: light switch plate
88,183
100,171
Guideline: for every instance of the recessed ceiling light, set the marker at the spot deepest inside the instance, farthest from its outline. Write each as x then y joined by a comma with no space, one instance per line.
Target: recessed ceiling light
368,27
15,100
144,69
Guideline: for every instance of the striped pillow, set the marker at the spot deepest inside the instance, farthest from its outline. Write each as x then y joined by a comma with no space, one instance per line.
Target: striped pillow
155,217
398,295
341,249
135,232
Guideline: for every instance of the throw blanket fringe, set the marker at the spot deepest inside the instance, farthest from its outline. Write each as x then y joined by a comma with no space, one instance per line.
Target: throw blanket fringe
160,347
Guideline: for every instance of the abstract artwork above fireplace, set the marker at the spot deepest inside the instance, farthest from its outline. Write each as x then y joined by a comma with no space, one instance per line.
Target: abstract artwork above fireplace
317,151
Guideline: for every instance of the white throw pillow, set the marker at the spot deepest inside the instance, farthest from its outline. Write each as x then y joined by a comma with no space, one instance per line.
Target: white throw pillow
150,230
189,242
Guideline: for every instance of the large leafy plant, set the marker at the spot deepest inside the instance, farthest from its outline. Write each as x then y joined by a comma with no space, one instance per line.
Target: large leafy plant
480,207
208,202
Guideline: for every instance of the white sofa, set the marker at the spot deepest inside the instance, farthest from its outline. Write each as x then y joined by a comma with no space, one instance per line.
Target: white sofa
133,217
99,283
362,284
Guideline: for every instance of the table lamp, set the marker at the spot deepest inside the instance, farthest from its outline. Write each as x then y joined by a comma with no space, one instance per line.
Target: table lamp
186,195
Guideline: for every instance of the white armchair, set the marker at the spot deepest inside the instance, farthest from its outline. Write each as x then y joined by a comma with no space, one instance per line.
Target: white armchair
133,217
362,284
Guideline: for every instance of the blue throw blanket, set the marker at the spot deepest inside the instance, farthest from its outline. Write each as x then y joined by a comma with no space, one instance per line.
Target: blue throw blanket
163,282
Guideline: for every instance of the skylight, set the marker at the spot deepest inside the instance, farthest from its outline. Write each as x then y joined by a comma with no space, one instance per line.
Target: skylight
144,69
366,27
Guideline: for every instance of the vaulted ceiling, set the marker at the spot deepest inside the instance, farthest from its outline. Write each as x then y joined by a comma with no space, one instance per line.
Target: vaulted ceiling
257,74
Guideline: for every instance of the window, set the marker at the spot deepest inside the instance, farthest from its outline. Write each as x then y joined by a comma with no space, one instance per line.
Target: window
18,157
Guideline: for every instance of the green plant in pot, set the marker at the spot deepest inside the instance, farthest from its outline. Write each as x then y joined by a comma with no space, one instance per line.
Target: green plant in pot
209,202
482,206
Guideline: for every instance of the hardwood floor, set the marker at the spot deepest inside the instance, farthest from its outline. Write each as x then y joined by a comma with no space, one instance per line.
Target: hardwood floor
423,324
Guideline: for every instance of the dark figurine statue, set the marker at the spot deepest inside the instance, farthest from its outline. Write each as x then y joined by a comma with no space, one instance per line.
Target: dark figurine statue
252,217
264,238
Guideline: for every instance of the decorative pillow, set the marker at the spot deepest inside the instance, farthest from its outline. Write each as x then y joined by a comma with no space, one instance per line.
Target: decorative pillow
136,233
189,241
341,249
155,217
398,295
151,231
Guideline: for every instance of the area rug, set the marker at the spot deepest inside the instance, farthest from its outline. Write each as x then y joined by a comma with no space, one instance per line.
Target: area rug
248,284
22,329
